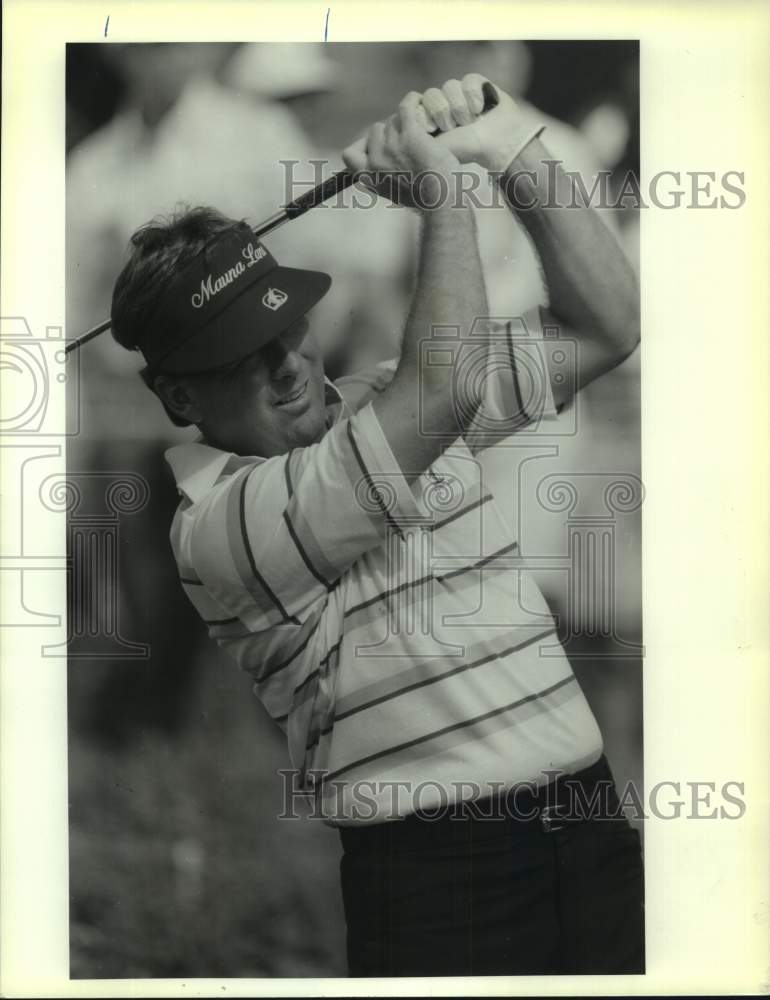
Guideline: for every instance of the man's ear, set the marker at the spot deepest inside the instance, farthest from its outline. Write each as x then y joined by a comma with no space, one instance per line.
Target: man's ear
174,392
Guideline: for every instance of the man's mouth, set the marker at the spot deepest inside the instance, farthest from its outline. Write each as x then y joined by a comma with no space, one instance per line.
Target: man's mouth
294,398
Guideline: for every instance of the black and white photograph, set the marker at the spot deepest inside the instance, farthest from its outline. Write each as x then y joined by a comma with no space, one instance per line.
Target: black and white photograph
360,668
391,472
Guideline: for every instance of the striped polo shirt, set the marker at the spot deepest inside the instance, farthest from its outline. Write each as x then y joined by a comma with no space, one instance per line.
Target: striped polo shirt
391,629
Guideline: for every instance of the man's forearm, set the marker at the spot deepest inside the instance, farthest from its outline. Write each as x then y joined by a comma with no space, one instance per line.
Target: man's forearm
419,405
450,288
591,285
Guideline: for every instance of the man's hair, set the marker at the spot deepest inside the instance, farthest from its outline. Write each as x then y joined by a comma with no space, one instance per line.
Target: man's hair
159,250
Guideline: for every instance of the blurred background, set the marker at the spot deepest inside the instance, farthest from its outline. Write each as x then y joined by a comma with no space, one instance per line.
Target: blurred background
178,863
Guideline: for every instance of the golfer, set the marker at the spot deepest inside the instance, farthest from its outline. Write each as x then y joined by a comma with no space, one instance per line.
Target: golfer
340,542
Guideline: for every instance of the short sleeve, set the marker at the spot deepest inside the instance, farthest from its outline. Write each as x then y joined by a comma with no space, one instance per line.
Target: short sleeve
272,541
515,384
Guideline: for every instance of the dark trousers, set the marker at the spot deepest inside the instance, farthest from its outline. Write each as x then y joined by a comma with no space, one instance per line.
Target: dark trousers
505,896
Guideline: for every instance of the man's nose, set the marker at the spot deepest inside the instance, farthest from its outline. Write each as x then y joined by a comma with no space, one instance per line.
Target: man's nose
288,363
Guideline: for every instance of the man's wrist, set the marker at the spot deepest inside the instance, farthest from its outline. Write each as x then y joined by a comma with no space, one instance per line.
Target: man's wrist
437,190
500,159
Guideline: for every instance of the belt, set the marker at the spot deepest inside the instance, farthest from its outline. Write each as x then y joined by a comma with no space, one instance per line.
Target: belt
522,810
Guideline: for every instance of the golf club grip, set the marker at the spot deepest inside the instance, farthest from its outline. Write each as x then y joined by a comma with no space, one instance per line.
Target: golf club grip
344,178
321,192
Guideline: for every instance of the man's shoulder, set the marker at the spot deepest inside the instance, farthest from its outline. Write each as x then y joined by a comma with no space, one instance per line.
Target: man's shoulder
200,470
216,491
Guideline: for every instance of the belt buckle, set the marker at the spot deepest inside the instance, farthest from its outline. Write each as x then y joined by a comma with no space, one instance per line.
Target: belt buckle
550,819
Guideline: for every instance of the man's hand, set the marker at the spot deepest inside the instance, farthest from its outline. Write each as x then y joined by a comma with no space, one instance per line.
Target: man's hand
465,130
490,138
401,160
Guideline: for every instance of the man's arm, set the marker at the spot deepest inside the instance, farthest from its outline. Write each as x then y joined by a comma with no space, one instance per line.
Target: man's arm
593,292
449,290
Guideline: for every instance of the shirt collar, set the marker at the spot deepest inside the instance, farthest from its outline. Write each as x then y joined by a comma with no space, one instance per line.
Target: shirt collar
197,466
336,406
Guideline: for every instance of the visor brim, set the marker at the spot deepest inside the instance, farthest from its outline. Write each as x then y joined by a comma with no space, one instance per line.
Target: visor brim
263,311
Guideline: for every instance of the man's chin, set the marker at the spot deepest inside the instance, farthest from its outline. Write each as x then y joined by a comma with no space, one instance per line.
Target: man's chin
306,428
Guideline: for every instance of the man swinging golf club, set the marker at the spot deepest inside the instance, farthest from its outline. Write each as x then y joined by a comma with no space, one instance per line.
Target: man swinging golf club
340,543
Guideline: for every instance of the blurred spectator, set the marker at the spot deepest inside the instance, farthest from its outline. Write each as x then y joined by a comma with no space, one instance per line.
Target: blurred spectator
609,123
606,129
288,72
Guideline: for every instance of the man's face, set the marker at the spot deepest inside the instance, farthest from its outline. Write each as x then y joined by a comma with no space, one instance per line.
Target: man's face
268,403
